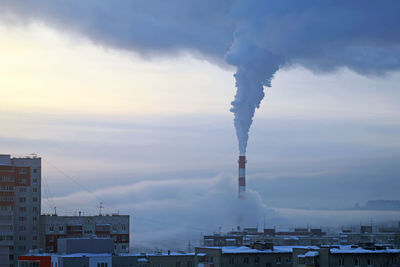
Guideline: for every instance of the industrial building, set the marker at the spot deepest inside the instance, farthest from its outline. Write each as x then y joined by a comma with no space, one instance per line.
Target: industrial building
20,204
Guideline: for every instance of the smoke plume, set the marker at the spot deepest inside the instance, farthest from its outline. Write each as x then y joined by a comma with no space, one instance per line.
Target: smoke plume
255,69
256,36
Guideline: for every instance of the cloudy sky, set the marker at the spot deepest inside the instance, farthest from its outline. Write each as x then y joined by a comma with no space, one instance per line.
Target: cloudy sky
128,104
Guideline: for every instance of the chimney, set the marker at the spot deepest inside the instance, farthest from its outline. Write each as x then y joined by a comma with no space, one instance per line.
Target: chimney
242,175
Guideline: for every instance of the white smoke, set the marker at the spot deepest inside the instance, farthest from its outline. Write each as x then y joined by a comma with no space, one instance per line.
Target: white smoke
255,69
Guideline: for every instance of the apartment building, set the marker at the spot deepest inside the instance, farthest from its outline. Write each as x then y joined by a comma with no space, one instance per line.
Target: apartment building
54,227
20,204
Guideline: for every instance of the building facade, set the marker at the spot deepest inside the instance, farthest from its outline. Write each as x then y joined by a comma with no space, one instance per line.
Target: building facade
20,204
53,227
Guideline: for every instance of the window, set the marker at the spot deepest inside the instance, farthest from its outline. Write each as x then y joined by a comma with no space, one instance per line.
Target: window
288,260
51,228
34,170
211,259
231,260
246,260
34,237
256,260
35,199
22,238
22,218
22,209
60,228
34,189
124,227
278,260
369,261
22,199
35,180
34,218
102,264
114,228
177,264
357,262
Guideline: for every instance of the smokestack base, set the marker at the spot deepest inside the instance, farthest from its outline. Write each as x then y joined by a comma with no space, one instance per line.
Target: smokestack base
242,175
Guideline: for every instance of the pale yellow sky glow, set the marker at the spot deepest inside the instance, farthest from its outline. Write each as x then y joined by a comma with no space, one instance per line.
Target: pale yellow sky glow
44,70
47,71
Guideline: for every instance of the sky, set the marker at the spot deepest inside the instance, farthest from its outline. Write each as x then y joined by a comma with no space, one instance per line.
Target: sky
142,121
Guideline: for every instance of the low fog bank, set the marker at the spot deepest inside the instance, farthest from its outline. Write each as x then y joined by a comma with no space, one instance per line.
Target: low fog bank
177,176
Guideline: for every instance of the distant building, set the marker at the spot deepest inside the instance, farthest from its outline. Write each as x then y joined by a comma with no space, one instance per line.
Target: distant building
305,237
383,205
175,259
114,226
20,204
298,256
244,256
222,240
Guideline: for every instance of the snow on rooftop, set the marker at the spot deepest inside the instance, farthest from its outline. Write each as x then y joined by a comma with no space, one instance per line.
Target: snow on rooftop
171,254
291,238
311,254
358,250
247,250
89,255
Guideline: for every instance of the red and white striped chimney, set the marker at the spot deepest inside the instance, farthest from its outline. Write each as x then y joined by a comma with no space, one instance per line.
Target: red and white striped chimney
242,175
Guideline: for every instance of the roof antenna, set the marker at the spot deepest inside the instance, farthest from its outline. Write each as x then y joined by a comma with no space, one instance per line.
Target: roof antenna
100,208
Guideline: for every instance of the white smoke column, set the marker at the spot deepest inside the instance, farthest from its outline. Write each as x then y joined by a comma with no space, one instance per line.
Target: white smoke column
255,69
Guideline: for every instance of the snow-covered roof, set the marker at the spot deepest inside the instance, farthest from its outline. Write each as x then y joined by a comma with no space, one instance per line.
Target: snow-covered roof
201,254
291,238
358,250
247,250
89,255
142,260
311,254
171,254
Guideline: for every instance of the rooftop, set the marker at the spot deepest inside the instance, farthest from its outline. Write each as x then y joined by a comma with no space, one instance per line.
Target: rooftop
360,250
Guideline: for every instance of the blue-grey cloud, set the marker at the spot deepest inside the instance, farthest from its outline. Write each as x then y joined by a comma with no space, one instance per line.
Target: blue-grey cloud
258,37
